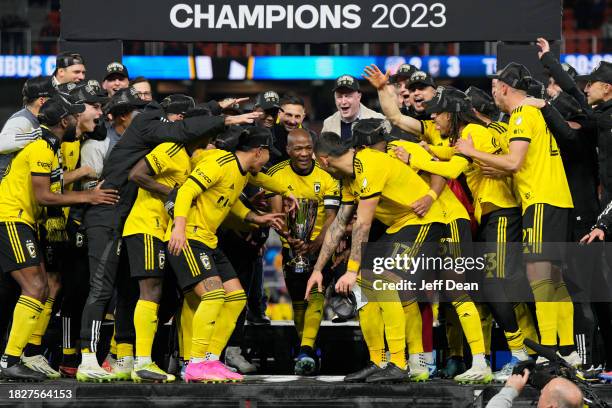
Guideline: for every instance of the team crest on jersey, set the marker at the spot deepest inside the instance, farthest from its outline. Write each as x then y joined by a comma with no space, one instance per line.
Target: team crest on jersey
162,259
518,120
31,249
317,187
205,261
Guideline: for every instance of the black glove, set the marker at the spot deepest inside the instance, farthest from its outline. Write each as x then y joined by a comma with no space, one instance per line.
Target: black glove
169,204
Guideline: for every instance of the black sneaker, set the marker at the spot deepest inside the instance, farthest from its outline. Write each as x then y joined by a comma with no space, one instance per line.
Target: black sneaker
258,320
390,374
363,374
19,372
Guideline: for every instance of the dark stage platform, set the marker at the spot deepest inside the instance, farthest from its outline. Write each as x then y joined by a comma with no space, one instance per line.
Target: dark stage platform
267,391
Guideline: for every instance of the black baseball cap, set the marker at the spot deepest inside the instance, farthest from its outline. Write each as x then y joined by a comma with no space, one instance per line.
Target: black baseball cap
536,89
56,108
256,136
178,104
346,82
448,100
125,97
403,72
481,101
421,77
367,132
515,75
66,59
83,92
571,71
268,100
38,87
116,68
601,73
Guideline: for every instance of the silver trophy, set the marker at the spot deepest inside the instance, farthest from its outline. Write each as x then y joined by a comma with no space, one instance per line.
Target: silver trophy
301,222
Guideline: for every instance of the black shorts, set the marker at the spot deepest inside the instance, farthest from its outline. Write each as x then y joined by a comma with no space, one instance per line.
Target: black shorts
198,262
19,247
457,241
147,256
415,240
499,241
544,225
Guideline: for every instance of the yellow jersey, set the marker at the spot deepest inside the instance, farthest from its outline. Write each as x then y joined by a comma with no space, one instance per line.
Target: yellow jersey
71,153
452,207
541,179
488,193
170,164
377,174
316,185
499,130
17,200
216,184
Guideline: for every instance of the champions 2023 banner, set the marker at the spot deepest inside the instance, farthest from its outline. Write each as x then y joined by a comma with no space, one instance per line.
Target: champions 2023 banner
315,21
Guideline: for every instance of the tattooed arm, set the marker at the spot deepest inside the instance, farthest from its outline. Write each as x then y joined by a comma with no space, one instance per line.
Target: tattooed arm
333,235
361,231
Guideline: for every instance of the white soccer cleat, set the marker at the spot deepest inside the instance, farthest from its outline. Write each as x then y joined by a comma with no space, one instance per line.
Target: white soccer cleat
39,363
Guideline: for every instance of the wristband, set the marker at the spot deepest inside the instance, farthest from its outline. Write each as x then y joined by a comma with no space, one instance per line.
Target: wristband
352,266
432,194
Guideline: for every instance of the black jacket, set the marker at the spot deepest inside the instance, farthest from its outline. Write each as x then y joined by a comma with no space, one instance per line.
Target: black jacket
146,131
601,118
579,155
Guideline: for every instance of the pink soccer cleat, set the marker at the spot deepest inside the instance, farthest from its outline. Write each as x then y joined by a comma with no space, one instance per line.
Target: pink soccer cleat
203,372
222,370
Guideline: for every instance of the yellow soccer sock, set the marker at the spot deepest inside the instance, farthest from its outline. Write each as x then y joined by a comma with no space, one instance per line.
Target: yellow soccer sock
565,315
435,311
370,321
69,351
312,318
145,325
546,310
414,327
204,320
299,314
113,343
25,318
454,333
226,321
125,350
43,323
524,318
395,331
470,323
515,340
486,321
190,305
